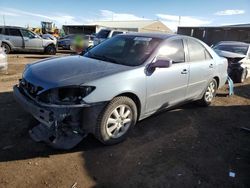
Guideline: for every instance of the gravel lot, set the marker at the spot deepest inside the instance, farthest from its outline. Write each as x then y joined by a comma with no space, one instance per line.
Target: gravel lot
186,147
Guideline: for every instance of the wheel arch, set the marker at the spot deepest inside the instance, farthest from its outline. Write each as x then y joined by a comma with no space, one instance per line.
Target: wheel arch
50,44
217,81
136,100
7,43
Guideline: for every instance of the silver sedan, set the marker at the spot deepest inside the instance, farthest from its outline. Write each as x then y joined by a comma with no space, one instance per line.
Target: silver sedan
117,83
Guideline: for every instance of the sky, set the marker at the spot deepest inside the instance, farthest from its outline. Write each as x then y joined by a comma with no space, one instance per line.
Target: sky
171,12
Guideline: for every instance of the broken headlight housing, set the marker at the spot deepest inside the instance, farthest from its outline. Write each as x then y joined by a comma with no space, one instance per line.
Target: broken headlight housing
66,95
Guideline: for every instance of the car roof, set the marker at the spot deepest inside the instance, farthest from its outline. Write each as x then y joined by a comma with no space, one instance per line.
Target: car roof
153,35
13,27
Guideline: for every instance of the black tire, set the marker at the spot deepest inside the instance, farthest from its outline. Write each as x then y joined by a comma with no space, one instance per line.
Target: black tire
101,131
241,77
50,50
6,47
204,101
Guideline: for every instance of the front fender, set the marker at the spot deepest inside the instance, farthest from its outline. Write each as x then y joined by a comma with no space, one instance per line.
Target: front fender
47,43
9,43
130,81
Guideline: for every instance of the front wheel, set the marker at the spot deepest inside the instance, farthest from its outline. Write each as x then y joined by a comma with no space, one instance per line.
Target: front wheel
50,50
209,94
116,120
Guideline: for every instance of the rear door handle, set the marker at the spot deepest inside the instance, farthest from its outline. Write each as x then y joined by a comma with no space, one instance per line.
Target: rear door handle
184,71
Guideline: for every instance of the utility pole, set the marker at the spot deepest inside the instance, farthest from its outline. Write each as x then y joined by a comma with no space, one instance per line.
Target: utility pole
179,21
3,20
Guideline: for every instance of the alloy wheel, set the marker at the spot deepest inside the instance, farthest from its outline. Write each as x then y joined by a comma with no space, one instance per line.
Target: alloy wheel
210,92
119,121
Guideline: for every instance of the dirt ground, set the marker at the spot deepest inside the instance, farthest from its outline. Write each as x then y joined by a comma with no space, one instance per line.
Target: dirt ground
186,147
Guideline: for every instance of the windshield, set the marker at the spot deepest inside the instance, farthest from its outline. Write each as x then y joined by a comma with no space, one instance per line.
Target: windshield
240,49
103,34
124,49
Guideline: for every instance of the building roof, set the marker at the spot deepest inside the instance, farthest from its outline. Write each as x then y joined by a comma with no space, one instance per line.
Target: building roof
125,24
238,25
222,26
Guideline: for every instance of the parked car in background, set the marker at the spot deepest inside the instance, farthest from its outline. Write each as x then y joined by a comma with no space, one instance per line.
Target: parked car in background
66,41
115,84
104,34
238,55
21,39
49,36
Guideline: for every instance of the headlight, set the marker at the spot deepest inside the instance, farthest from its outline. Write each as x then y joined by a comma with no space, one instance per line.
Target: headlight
66,95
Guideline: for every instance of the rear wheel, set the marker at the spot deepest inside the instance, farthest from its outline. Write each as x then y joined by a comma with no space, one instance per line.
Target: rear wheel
209,93
50,50
6,48
116,120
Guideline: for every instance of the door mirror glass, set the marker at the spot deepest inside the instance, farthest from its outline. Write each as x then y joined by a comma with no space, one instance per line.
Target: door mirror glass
160,62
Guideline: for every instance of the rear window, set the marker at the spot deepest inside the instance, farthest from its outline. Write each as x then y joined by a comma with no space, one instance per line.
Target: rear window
103,34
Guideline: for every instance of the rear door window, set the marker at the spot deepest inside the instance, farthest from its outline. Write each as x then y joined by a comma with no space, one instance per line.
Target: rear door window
197,52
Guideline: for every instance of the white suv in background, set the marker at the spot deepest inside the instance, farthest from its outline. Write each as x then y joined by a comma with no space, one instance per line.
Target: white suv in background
21,39
104,34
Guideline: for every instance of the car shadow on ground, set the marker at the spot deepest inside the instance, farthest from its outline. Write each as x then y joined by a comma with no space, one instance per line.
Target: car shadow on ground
186,146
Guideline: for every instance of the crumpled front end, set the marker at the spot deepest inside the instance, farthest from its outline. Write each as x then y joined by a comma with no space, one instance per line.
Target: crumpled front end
59,112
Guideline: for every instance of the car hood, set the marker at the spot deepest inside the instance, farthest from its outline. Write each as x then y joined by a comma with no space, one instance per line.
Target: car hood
229,54
46,42
63,40
69,70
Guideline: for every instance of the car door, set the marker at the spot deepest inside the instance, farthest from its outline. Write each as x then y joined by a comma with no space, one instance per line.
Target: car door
31,40
201,67
14,37
167,86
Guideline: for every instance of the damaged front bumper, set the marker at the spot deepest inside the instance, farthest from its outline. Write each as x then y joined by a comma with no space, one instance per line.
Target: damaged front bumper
60,125
45,113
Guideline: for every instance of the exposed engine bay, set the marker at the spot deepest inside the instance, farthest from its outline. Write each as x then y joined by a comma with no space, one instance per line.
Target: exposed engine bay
236,71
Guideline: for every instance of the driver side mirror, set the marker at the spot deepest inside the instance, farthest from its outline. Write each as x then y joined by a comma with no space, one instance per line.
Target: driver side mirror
160,62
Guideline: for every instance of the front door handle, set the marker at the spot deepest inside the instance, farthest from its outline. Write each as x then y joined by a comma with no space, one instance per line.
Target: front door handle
184,71
211,65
